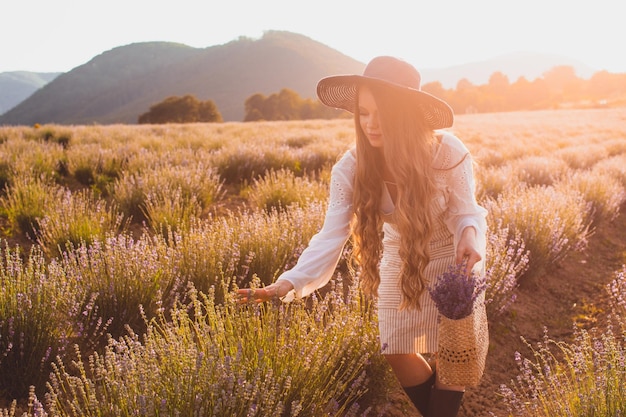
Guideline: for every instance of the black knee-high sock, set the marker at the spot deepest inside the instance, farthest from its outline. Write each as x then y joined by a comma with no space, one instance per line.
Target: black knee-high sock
444,403
420,394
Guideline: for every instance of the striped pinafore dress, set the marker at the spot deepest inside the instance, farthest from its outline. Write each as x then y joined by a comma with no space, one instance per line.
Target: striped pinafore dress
411,330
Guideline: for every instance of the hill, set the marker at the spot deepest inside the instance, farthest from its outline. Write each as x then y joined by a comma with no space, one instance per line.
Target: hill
119,85
16,86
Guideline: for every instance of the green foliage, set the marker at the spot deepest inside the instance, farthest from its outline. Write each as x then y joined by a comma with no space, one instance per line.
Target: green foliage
280,189
243,244
226,359
185,109
550,221
507,260
603,193
286,105
76,218
34,325
27,201
584,378
120,282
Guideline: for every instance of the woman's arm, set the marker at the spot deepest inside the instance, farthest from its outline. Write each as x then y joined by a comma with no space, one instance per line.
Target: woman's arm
465,219
318,261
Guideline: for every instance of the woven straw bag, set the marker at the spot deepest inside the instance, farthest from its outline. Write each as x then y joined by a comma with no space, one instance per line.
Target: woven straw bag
463,345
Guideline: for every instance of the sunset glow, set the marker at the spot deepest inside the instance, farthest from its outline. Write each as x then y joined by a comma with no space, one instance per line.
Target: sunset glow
45,36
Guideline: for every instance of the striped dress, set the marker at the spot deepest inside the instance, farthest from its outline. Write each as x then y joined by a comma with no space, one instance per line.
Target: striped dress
411,330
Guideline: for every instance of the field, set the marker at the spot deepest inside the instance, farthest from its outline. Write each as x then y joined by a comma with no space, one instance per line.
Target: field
121,246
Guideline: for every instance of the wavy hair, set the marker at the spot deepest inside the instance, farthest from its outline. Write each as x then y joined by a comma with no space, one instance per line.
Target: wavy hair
408,155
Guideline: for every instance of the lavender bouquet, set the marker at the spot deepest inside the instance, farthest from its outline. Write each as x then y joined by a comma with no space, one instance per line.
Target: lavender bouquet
455,292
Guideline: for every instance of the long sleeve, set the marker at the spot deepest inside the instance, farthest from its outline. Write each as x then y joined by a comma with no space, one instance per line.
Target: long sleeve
318,261
455,167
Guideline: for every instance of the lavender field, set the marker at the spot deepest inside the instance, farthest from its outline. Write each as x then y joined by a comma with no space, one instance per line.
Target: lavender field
121,247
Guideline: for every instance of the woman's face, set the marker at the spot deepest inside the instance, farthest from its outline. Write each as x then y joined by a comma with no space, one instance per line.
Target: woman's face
368,117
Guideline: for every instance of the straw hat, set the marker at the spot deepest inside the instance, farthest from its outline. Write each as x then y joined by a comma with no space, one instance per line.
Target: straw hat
340,91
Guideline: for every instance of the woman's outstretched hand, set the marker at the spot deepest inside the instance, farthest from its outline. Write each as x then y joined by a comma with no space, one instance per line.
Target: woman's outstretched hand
467,249
276,290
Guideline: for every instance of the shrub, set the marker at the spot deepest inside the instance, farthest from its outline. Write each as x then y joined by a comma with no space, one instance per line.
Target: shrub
34,324
76,218
614,166
539,170
280,189
168,211
120,282
244,244
507,260
193,182
27,201
229,360
603,193
550,221
584,378
493,181
583,156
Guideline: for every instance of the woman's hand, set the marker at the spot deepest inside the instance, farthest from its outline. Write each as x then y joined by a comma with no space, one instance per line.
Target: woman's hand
467,249
273,291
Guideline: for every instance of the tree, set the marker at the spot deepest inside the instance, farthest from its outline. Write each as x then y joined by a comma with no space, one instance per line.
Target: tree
185,109
286,105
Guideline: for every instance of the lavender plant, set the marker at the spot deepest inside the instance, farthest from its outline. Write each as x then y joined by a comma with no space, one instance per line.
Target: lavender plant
583,378
34,325
243,244
282,188
507,260
551,222
455,292
226,359
604,194
540,170
120,281
27,201
77,218
168,211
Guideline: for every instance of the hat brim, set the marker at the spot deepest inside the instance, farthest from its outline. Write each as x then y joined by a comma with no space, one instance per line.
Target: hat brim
340,91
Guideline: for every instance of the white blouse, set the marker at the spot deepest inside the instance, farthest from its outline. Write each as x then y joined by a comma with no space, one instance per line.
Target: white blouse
453,175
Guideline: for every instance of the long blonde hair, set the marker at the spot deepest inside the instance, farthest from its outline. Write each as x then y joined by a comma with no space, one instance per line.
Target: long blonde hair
408,155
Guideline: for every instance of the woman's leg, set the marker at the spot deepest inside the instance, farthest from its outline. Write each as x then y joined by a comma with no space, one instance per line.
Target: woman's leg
445,400
415,376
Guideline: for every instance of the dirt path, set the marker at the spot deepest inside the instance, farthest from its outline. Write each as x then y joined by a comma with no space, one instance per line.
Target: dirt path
573,292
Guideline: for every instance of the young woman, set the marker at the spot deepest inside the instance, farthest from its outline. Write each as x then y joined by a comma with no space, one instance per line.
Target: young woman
406,195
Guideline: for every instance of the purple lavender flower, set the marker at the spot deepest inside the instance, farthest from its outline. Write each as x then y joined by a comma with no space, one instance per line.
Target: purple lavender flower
455,292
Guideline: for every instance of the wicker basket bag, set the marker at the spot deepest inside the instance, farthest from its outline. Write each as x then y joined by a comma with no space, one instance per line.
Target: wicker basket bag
463,345
463,329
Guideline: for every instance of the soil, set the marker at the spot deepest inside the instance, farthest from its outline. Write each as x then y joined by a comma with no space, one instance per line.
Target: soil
572,294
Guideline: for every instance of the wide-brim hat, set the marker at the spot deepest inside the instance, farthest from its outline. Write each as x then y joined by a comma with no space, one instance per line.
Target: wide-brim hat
340,91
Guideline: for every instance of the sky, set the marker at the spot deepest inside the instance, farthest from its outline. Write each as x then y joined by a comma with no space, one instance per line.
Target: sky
59,35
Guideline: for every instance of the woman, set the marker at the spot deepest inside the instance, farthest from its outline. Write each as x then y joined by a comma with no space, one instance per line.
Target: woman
406,194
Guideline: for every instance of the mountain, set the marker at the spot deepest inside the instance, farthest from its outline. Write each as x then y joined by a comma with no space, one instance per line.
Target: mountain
119,85
529,65
16,86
